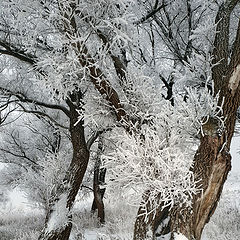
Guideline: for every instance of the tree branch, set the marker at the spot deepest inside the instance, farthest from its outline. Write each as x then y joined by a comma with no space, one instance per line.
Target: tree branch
19,54
95,135
96,75
150,14
24,98
43,114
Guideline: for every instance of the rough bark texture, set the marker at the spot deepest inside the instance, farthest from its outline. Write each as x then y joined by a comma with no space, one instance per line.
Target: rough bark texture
212,161
79,163
98,203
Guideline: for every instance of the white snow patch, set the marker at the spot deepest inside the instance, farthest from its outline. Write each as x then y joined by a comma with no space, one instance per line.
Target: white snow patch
179,236
234,80
176,236
235,150
90,235
59,216
18,201
149,234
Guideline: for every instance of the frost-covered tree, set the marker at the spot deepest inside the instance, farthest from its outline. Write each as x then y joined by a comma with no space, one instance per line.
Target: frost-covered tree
203,41
99,65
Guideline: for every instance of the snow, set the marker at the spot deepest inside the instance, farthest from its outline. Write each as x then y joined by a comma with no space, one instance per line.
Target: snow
59,216
165,237
223,224
177,236
90,235
234,150
162,225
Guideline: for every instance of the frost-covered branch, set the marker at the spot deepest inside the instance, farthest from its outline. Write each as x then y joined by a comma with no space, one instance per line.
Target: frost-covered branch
155,10
17,53
24,98
42,114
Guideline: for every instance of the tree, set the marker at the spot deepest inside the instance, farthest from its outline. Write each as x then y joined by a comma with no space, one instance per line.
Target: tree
99,65
212,161
62,60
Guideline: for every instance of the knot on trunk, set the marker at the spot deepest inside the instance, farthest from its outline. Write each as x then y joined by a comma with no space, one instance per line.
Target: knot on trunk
212,127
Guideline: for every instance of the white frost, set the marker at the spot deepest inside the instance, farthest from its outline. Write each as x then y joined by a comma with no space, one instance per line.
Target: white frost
176,236
165,237
59,216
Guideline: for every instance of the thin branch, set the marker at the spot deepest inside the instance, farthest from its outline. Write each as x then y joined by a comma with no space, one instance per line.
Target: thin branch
150,14
95,135
19,54
24,98
43,114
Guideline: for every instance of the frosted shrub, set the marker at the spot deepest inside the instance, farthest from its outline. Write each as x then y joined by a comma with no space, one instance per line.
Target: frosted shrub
156,157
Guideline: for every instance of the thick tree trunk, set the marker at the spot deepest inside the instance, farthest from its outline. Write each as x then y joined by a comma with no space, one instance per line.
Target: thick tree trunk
212,161
211,165
58,221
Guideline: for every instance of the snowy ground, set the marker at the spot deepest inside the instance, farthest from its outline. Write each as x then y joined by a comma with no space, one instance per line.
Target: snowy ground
19,221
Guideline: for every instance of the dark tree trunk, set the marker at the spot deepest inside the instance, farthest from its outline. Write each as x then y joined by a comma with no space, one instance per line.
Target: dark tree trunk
71,184
212,164
212,161
98,180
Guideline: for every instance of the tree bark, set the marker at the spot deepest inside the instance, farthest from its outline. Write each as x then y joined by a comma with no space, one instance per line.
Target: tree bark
98,203
54,230
98,180
212,161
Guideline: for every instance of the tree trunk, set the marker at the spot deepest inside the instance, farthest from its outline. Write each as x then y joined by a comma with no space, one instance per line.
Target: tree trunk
212,161
212,164
58,221
98,180
98,196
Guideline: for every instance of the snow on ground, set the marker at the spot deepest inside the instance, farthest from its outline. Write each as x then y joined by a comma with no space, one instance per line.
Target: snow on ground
20,221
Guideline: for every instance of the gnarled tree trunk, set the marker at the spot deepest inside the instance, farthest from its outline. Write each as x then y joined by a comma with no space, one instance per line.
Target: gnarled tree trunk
212,161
